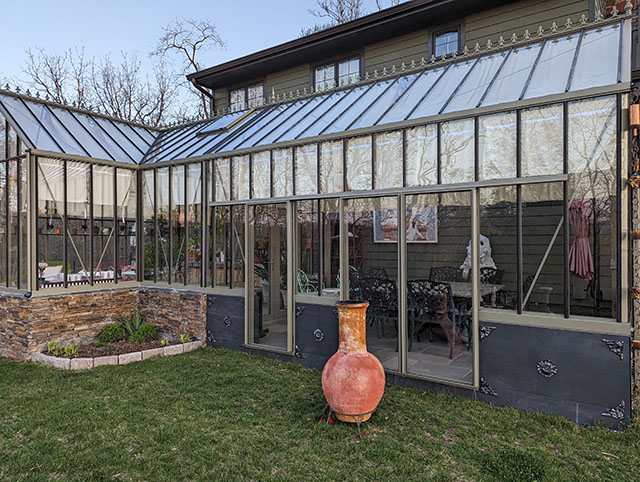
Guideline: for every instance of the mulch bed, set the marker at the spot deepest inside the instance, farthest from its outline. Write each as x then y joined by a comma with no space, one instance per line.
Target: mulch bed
117,348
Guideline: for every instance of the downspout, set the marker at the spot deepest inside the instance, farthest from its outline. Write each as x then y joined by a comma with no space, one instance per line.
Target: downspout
207,94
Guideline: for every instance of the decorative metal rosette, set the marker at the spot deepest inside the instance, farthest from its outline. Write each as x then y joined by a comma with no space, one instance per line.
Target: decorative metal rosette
547,368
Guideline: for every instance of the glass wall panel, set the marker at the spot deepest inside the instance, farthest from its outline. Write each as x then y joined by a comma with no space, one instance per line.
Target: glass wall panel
388,163
373,271
331,167
194,218
127,199
222,176
240,184
498,248
438,286
307,169
12,142
542,248
162,190
149,224
261,175
12,167
222,250
318,248
237,242
3,137
497,146
359,175
3,223
282,172
457,151
593,207
541,141
269,314
104,260
24,223
422,155
50,216
78,211
178,224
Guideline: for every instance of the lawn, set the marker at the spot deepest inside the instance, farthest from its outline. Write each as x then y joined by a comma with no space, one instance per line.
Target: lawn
222,415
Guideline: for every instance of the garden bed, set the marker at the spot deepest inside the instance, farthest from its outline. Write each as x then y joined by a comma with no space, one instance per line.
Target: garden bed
137,352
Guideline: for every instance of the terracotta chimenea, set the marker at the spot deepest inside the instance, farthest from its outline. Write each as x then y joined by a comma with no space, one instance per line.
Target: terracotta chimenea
353,379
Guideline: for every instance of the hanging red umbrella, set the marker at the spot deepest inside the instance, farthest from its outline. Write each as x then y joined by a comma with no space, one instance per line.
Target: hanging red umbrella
580,260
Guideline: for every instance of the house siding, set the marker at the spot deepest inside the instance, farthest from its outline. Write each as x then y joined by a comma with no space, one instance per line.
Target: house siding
492,24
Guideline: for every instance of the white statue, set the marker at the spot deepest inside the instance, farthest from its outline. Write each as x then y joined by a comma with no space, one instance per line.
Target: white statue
486,261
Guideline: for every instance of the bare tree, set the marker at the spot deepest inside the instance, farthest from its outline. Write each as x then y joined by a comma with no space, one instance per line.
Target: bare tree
188,38
339,11
120,90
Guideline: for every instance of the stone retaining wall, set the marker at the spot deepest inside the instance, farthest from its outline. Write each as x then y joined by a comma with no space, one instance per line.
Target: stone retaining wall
28,324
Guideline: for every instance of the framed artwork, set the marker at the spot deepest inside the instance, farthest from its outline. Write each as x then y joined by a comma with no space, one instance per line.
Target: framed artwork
421,225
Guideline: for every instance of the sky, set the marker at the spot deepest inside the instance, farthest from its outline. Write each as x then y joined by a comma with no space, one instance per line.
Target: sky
134,26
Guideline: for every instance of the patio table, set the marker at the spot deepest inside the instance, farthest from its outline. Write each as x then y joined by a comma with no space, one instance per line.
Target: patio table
461,289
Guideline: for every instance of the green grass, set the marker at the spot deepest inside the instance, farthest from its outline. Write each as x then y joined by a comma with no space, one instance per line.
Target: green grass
222,415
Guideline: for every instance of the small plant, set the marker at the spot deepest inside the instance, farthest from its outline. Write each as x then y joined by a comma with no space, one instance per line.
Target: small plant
70,351
185,338
112,332
65,351
164,342
134,323
52,347
146,332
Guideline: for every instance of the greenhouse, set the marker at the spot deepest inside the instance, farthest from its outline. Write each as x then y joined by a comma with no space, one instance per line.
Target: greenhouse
486,191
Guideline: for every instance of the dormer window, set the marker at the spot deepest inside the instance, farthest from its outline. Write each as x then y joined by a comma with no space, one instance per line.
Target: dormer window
446,42
342,72
246,97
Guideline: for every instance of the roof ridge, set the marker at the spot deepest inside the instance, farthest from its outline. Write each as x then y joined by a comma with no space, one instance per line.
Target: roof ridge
37,99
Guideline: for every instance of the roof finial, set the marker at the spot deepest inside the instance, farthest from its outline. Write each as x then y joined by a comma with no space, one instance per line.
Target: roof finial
568,24
628,7
554,27
583,19
514,38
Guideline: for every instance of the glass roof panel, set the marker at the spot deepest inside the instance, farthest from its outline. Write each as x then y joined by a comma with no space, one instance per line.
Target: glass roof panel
316,114
597,44
193,146
310,106
170,142
79,132
53,126
92,126
476,84
135,135
513,76
432,104
118,136
551,73
412,96
223,122
343,122
337,109
261,126
385,101
260,136
147,134
34,131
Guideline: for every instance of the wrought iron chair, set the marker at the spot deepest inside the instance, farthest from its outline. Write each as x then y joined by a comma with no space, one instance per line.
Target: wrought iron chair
305,285
431,303
379,273
354,276
445,273
490,276
382,295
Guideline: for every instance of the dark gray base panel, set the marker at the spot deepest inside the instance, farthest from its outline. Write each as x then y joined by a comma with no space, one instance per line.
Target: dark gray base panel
584,377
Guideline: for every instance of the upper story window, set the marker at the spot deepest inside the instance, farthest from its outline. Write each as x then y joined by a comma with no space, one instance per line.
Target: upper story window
446,42
342,72
246,97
